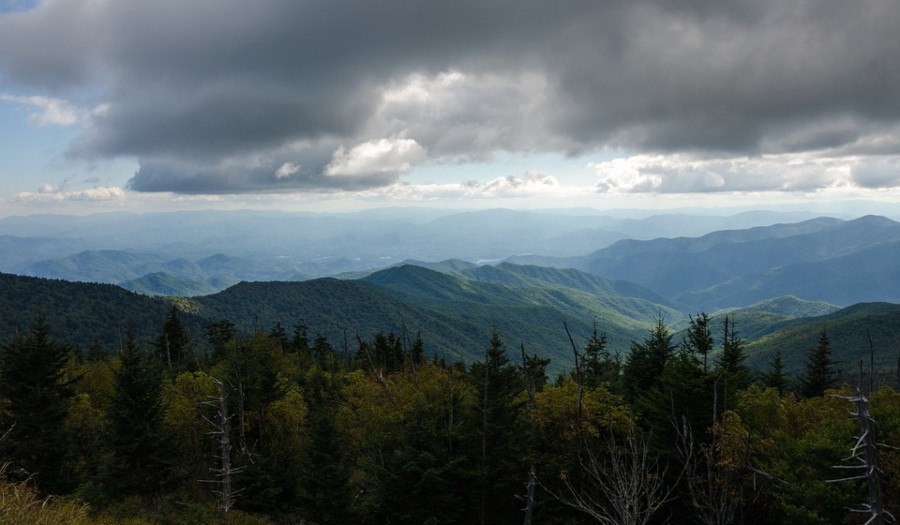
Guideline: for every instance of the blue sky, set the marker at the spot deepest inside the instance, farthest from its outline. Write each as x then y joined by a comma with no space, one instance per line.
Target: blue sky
467,104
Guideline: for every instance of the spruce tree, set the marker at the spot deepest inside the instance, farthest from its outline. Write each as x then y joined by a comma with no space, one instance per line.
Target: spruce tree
775,377
819,374
36,392
730,364
599,366
135,420
647,361
498,383
699,337
174,343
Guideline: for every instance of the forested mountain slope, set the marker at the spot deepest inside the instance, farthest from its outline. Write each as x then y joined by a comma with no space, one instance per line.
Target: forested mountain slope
842,262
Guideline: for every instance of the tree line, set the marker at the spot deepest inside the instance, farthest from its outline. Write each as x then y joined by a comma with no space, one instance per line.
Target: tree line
278,426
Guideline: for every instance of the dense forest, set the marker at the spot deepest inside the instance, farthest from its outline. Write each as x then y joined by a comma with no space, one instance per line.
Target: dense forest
276,425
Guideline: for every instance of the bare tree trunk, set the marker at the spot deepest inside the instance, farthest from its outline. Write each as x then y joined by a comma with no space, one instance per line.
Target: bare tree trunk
222,431
865,452
625,487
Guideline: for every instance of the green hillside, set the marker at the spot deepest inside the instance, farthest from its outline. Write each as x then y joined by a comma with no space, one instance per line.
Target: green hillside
847,329
81,313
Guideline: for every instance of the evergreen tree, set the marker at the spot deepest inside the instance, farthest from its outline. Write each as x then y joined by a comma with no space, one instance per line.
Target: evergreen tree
174,343
36,392
324,473
647,361
775,377
819,374
599,366
498,384
135,421
730,364
699,337
219,334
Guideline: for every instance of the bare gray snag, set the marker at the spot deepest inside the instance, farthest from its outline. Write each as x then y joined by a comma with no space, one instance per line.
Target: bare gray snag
864,455
626,486
222,431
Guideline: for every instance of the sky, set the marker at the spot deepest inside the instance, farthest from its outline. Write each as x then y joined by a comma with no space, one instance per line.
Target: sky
321,105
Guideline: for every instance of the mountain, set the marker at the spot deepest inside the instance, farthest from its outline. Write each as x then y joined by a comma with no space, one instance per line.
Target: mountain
454,313
849,330
82,313
824,259
287,246
161,283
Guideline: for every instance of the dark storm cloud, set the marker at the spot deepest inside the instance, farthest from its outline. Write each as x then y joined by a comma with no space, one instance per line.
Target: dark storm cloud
215,96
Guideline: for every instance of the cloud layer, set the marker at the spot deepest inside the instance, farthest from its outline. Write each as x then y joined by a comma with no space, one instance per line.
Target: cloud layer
221,96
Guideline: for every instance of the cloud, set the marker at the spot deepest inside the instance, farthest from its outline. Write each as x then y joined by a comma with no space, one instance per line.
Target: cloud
210,96
692,174
376,156
49,193
49,111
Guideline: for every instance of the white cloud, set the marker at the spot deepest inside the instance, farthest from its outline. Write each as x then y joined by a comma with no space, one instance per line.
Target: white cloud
49,193
394,155
681,173
50,111
286,170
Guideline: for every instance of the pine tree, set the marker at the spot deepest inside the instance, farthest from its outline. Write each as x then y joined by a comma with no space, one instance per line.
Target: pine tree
647,361
135,419
819,374
730,364
699,337
498,382
599,366
174,343
37,394
775,377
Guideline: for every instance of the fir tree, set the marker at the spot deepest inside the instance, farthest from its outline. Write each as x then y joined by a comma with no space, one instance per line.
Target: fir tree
647,361
174,343
599,366
819,374
699,337
730,364
775,377
498,382
135,419
37,394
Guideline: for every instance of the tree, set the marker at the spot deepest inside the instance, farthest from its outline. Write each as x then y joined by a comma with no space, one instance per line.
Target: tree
730,365
623,485
498,382
135,416
647,361
599,366
699,337
37,395
174,343
819,374
775,377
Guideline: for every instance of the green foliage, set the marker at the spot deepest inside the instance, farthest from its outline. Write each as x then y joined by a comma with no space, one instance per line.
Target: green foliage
138,457
647,361
388,434
775,376
819,374
37,394
699,338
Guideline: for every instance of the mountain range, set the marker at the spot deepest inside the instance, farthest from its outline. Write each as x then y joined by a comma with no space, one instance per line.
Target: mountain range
167,253
781,283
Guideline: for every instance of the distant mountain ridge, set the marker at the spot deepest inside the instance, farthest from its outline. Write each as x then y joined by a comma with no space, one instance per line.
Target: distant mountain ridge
840,262
292,246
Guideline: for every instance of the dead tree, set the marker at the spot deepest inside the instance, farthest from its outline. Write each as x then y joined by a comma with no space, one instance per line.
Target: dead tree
222,431
864,456
713,489
626,486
